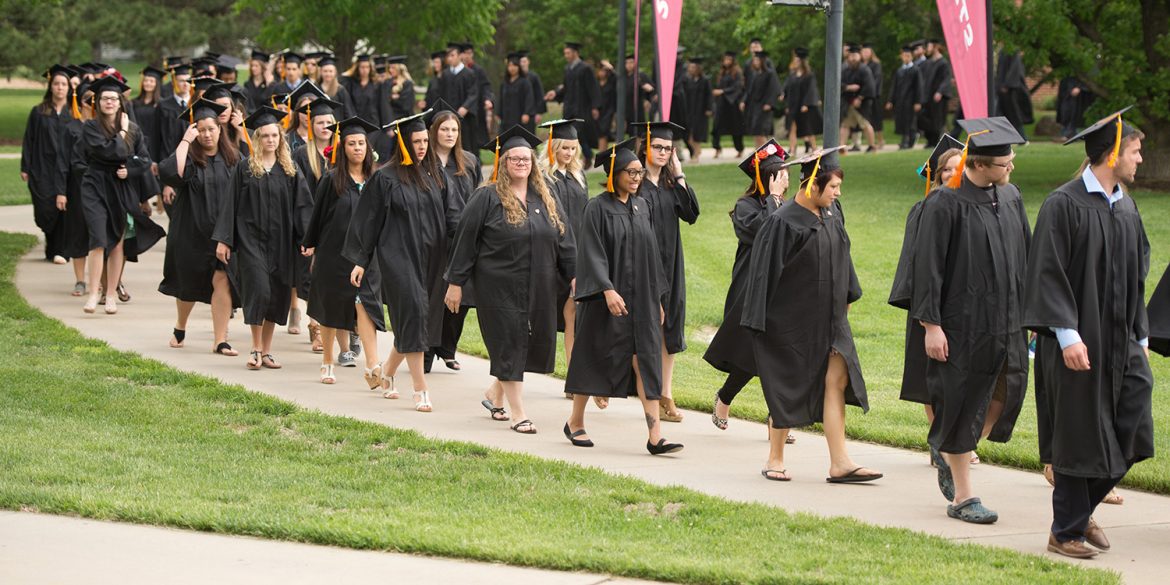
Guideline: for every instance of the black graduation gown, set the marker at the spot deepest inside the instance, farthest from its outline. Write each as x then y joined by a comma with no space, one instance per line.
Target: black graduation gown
608,109
294,140
262,220
516,101
907,92
581,94
300,157
147,118
862,77
968,277
72,168
480,124
40,156
799,287
331,300
874,106
728,118
392,108
938,77
571,199
731,348
256,95
170,127
406,226
366,100
667,206
901,292
801,91
459,190
434,91
460,90
514,268
1158,315
698,92
190,263
617,250
537,91
1070,109
637,112
108,200
1086,271
1014,102
763,90
678,99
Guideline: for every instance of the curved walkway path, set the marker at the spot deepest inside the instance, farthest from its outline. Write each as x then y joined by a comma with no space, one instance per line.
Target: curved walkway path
721,463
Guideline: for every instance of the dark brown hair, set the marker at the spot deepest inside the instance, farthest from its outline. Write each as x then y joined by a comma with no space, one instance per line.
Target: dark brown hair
227,150
46,106
423,173
341,169
457,150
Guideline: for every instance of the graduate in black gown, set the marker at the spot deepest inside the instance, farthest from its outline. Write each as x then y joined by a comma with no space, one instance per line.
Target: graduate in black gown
258,87
401,223
939,169
331,300
113,190
759,100
146,112
200,173
397,99
561,165
580,94
800,285
1014,101
620,287
171,127
461,89
730,350
670,199
297,127
332,86
513,242
40,156
966,290
802,102
537,85
639,89
464,174
260,225
1085,293
516,106
728,91
71,168
906,99
697,87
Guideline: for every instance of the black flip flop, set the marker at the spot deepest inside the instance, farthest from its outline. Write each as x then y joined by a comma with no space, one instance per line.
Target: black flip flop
495,410
852,477
531,427
785,477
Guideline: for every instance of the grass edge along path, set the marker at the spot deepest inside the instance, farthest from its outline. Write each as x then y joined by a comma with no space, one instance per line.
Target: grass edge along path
105,434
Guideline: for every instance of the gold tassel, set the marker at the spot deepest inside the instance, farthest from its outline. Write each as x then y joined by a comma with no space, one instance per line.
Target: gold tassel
552,159
309,115
272,100
1116,146
191,114
406,160
74,109
927,179
647,142
336,141
612,161
248,139
759,183
811,179
175,82
496,163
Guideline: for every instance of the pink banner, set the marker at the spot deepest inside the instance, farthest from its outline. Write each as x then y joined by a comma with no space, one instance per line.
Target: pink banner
964,23
668,15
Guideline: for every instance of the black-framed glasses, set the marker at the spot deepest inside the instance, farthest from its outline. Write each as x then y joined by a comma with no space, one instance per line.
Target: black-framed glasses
661,148
520,161
634,173
1007,165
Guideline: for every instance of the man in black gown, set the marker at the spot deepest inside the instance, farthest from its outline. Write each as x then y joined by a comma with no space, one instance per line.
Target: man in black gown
906,99
968,272
581,96
459,87
1085,298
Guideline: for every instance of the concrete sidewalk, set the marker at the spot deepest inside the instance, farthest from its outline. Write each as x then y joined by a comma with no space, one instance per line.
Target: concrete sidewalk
722,463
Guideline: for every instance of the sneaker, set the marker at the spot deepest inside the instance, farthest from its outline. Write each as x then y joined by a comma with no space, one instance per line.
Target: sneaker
345,359
355,344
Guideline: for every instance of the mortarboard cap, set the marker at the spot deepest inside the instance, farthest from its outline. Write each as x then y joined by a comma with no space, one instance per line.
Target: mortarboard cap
396,60
261,56
560,130
918,44
761,54
291,57
181,69
438,54
764,161
347,127
204,83
278,98
454,46
990,136
729,54
153,71
665,130
408,125
439,107
930,169
811,165
316,56
853,48
172,61
696,60
573,45
364,57
800,52
218,90
306,88
515,137
514,57
866,45
907,48
614,159
263,116
57,70
202,109
109,83
326,59
320,107
1105,135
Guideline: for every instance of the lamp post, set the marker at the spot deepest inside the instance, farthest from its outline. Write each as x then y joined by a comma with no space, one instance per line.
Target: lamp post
834,33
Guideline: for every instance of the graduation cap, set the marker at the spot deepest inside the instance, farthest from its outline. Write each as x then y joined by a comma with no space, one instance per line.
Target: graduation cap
181,69
363,57
761,54
396,60
316,56
907,49
917,44
153,71
109,83
261,56
348,127
319,107
218,90
408,125
326,59
291,57
985,137
515,137
200,110
57,70
769,155
204,82
696,60
439,107
212,56
307,88
172,61
278,99
664,130
466,46
616,158
560,130
573,45
1105,134
514,57
867,45
853,48
438,55
947,142
729,54
800,52
810,165
454,46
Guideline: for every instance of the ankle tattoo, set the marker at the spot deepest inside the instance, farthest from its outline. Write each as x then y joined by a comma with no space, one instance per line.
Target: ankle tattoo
651,420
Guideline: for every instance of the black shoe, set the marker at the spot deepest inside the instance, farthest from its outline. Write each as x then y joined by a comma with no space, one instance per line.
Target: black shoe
355,344
581,442
428,359
855,148
662,448
871,149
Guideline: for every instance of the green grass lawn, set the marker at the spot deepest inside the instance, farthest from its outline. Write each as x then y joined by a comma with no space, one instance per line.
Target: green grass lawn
877,193
13,191
107,434
15,105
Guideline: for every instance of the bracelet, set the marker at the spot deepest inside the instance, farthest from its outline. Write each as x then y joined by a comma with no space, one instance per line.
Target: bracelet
186,141
680,177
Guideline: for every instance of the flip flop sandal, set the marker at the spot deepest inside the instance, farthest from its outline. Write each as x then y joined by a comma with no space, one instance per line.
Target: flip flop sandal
783,474
852,477
180,335
254,361
498,412
123,296
270,362
790,439
972,510
224,349
524,423
78,289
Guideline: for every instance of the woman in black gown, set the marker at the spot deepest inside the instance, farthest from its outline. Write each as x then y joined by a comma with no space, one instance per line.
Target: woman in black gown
513,242
297,126
401,223
621,288
200,173
259,228
117,166
397,100
731,348
759,101
364,90
71,167
146,112
802,102
331,299
800,285
516,104
40,157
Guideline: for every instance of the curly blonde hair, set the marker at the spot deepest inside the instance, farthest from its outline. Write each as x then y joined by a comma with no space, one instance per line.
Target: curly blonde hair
514,213
283,157
574,169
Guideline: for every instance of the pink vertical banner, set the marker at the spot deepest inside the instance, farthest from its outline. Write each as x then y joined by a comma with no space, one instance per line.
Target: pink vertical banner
668,14
964,24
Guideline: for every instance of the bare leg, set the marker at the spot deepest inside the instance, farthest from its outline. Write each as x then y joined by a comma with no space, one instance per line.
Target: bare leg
395,359
994,410
513,391
114,266
328,334
369,336
577,417
183,310
266,340
79,269
760,140
929,413
570,311
776,439
868,130
221,308
961,472
414,361
257,337
793,139
836,378
294,309
667,373
649,407
811,139
93,265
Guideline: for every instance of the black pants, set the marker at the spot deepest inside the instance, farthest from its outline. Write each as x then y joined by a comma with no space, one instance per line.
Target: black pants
910,139
736,139
55,239
1073,501
452,331
736,380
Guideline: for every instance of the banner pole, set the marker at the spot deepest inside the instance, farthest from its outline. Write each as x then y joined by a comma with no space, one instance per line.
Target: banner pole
833,44
619,72
990,63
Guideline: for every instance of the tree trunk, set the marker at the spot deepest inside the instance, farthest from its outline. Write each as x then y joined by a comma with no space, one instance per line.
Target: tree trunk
1154,172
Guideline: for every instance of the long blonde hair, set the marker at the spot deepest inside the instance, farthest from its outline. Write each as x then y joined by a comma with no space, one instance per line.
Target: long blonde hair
283,156
514,213
575,168
402,77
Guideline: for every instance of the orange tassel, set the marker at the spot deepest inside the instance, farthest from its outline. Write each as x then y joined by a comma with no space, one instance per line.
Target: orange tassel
927,179
812,178
74,109
273,101
496,163
175,82
957,180
759,183
647,142
248,139
336,141
612,161
309,115
407,161
552,159
1116,146
191,114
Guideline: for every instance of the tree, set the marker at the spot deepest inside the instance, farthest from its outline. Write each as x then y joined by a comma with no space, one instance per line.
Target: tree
27,34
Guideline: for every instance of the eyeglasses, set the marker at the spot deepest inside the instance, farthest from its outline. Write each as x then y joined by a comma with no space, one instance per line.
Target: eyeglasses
661,148
112,98
519,161
1007,165
634,173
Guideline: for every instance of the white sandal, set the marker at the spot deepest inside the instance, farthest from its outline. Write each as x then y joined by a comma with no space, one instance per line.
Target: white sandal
389,392
422,402
327,376
374,376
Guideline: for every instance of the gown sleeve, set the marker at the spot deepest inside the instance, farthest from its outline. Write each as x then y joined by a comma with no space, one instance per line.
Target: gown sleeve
686,205
567,253
1141,322
225,223
768,257
592,266
366,226
326,199
302,205
1049,300
901,290
452,204
168,171
930,258
467,236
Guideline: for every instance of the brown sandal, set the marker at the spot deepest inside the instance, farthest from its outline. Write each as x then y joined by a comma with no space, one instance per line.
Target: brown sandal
315,338
270,362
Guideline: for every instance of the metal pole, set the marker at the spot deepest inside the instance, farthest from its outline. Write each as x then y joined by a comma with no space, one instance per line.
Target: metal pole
990,63
833,43
619,72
